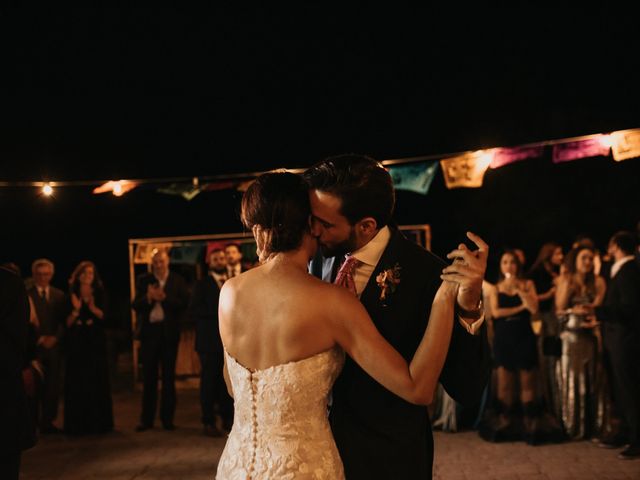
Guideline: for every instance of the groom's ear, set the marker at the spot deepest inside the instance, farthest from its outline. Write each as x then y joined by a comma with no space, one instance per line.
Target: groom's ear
367,226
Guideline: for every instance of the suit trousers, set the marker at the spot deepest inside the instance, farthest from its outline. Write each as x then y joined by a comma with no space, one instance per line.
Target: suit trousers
213,390
51,363
621,348
158,351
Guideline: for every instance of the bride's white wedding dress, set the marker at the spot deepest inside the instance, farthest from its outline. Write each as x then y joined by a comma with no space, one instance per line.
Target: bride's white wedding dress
280,428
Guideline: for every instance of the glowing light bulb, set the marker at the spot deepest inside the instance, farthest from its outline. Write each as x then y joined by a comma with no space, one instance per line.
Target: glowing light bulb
47,190
117,189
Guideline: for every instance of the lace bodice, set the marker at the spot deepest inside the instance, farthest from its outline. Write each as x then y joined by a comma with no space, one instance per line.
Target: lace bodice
280,429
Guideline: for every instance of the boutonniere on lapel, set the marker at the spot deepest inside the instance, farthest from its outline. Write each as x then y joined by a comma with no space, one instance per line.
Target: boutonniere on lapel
388,280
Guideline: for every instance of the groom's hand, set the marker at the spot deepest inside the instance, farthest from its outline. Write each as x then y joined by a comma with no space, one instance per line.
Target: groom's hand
468,270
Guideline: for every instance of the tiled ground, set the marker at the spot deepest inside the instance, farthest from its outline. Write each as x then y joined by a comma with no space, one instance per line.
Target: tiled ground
186,454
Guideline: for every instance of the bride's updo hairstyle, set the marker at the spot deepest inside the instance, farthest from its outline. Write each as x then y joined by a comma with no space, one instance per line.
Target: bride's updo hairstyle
278,203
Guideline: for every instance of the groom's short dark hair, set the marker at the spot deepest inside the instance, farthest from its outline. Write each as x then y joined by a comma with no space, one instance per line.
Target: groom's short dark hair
362,184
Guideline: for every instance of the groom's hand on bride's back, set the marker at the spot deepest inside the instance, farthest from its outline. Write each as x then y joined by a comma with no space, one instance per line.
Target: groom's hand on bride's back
468,269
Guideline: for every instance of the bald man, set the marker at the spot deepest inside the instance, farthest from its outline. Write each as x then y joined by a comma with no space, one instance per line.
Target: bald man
160,301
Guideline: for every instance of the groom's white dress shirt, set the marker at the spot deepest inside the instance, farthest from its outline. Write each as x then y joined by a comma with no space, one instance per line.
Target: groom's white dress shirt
368,257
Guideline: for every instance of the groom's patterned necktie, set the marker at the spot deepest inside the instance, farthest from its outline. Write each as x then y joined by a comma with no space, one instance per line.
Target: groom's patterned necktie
345,274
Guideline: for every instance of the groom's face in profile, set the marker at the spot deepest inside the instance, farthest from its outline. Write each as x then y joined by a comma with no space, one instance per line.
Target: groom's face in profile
335,234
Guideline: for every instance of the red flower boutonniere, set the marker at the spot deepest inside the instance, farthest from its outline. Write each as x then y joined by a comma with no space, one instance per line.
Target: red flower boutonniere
388,280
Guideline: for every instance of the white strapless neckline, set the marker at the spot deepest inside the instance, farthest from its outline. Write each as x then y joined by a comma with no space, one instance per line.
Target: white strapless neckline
278,365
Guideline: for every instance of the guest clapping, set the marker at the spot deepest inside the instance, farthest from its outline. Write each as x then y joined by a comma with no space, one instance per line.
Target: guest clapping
87,394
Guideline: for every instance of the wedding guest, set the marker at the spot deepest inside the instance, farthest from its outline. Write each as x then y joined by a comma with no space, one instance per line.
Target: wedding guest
49,303
579,291
32,372
545,273
513,301
15,434
32,375
203,311
234,260
620,316
87,392
161,298
583,240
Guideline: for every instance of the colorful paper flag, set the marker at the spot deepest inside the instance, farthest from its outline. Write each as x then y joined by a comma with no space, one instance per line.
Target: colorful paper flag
625,144
414,177
187,190
466,170
187,253
505,156
591,147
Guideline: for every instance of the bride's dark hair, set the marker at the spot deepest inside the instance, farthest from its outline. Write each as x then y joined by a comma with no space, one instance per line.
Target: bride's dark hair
278,203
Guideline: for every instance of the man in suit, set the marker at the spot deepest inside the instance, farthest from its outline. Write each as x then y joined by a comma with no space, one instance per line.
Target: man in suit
203,311
49,303
234,260
620,316
378,434
161,299
16,433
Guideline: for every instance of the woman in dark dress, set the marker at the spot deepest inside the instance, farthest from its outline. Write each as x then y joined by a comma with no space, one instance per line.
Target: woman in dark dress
514,344
87,393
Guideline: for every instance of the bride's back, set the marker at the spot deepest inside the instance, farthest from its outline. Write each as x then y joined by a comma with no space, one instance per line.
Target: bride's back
273,315
276,315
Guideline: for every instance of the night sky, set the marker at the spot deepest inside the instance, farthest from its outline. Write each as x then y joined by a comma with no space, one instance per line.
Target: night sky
145,93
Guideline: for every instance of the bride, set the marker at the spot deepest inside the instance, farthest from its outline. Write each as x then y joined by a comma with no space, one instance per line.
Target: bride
285,333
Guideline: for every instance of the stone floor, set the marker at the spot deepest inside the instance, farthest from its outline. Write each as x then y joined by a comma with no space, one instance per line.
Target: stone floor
186,454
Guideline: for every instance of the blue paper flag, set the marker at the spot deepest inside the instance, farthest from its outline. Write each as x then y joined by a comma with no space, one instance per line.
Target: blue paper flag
416,177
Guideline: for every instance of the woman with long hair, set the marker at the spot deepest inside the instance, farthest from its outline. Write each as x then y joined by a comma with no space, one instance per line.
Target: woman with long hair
579,290
545,273
512,302
87,393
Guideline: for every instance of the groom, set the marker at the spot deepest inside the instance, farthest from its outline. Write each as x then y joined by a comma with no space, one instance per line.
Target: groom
378,434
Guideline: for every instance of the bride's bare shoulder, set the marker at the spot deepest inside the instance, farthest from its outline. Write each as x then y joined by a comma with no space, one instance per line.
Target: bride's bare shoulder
330,294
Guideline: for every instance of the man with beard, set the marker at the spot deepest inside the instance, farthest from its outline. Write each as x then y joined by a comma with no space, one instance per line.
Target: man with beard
378,434
620,316
203,310
234,260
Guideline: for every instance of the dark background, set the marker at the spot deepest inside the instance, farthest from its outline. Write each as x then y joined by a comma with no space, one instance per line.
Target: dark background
145,93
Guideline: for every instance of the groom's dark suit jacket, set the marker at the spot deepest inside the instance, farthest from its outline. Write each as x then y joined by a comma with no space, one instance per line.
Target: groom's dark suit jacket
379,435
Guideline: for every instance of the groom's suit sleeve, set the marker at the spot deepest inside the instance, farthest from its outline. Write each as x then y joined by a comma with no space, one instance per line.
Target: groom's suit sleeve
468,364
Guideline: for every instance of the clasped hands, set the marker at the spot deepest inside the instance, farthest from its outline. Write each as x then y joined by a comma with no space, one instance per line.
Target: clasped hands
467,270
589,313
156,293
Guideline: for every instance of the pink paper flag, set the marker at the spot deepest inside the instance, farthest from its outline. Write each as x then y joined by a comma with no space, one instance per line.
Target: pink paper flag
592,147
505,156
